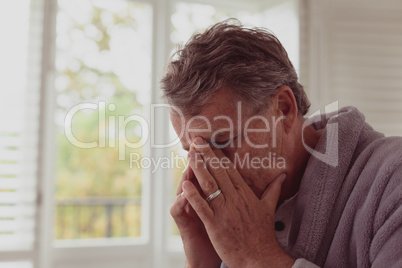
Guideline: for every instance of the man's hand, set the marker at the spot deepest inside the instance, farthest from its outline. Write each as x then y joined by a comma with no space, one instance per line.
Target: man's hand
240,226
197,246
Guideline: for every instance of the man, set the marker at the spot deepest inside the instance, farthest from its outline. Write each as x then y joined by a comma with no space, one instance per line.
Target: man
266,187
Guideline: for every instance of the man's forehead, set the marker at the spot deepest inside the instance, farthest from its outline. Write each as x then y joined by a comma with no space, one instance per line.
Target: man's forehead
213,119
203,126
214,113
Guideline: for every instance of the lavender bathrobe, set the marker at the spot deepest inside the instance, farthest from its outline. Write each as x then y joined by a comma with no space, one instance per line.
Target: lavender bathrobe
349,215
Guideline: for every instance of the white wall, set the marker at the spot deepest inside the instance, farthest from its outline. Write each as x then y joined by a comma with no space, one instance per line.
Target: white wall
352,53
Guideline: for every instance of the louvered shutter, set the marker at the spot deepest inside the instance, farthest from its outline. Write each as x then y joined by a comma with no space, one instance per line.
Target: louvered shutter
358,48
20,71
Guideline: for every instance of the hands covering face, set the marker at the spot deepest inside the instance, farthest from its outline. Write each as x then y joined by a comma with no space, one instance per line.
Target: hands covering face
235,226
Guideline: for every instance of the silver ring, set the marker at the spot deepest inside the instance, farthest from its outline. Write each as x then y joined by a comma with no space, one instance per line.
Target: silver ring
213,195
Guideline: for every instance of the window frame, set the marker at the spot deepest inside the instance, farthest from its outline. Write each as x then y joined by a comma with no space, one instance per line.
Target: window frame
151,248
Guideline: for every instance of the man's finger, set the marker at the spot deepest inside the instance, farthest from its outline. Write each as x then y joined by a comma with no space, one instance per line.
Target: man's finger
177,208
197,202
205,179
215,165
271,195
187,175
234,175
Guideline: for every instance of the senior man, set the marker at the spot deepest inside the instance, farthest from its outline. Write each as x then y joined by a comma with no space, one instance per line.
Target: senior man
266,187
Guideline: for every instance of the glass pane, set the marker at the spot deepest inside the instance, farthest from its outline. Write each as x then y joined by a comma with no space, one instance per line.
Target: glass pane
103,84
188,18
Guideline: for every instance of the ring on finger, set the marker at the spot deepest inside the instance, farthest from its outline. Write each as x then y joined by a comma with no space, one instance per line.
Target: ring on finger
213,195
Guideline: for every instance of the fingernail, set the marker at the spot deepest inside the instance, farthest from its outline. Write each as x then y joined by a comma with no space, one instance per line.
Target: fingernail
182,193
186,168
186,185
282,178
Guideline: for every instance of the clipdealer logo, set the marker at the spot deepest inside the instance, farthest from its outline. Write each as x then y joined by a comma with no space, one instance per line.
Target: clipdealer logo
115,135
331,155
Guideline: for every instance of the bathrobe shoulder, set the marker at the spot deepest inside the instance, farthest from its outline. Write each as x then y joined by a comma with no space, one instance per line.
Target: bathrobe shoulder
348,210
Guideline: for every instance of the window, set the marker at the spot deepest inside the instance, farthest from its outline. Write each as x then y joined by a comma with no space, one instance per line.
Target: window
103,64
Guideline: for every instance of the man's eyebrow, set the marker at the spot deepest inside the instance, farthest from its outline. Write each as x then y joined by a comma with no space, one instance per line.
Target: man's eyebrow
220,135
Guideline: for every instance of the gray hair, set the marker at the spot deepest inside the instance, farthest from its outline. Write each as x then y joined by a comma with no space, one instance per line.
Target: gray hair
251,63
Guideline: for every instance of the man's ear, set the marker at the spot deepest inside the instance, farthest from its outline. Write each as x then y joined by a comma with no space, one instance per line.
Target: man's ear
285,105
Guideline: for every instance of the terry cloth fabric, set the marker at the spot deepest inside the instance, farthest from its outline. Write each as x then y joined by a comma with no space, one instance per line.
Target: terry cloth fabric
349,214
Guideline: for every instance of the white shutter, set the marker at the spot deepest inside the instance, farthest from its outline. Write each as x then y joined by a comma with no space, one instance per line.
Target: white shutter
303,48
359,45
20,71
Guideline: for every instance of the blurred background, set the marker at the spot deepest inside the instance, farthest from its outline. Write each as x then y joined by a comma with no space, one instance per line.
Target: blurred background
74,190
